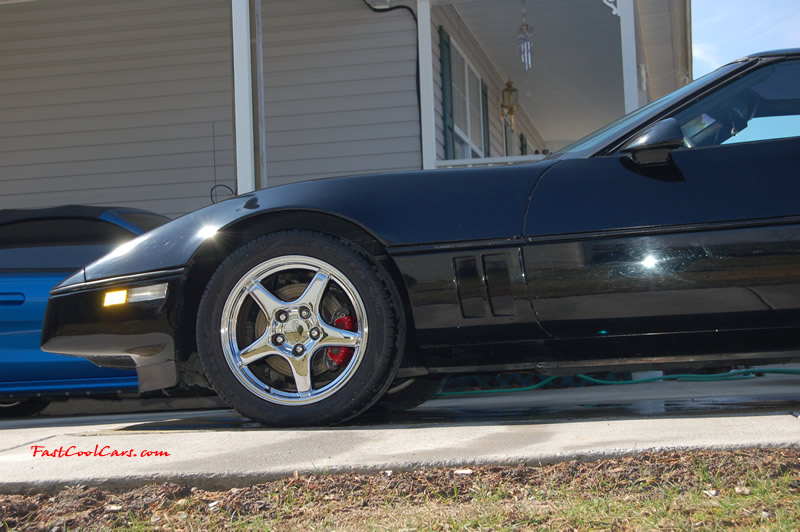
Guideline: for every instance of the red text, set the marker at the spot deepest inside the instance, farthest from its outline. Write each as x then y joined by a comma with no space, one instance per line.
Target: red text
104,451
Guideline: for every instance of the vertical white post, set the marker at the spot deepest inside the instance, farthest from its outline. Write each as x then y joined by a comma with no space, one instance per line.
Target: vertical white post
258,93
428,123
243,97
630,70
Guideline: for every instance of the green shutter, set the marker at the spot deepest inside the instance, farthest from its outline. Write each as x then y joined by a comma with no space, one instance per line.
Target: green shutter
447,95
487,148
523,144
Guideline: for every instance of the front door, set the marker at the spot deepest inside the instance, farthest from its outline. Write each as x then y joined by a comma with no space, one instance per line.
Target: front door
708,242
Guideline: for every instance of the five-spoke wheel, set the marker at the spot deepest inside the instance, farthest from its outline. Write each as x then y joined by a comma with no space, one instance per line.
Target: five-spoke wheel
284,329
283,348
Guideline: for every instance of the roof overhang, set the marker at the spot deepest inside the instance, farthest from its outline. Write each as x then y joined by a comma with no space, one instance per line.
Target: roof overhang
576,83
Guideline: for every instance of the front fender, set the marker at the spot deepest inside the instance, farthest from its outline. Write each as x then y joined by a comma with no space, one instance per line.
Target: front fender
398,209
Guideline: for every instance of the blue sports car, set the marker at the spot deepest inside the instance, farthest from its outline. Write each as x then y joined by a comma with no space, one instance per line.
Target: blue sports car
38,249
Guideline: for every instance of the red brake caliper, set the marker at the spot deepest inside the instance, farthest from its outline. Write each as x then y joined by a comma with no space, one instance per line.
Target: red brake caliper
341,355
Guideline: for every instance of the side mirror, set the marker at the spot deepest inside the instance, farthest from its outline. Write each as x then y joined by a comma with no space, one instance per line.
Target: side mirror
654,144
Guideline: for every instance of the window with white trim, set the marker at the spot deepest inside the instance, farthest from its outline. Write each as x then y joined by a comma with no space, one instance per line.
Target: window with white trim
467,113
464,104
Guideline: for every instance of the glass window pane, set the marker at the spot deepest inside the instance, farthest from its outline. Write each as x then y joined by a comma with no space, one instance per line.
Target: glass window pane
61,231
58,243
763,105
459,92
606,134
768,127
475,129
461,148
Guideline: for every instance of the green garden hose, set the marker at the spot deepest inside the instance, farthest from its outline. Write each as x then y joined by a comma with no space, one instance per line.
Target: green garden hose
731,375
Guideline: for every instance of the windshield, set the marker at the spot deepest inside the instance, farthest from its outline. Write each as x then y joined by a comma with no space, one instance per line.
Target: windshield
604,136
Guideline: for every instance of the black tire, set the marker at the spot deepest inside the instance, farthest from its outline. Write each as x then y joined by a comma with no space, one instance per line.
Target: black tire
252,299
405,394
22,408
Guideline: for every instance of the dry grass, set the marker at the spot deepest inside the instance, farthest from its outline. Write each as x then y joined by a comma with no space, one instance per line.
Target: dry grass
739,490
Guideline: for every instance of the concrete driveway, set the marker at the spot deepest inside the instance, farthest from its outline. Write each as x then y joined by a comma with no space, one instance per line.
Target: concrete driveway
220,449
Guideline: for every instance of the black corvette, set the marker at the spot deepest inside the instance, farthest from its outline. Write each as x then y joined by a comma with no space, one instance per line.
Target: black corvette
670,238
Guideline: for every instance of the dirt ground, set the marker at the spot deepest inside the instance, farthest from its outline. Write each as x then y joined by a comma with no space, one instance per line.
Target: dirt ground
526,496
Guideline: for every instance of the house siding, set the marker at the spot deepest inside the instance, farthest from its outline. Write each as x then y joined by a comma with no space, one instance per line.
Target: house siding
448,18
340,90
115,102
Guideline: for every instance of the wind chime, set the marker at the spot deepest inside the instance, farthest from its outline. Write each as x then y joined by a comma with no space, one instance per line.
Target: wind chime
525,38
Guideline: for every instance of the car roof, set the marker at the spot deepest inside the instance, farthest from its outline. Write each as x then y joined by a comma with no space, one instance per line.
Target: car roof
64,211
773,53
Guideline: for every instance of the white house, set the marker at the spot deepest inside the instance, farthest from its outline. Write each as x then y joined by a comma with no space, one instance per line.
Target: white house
164,104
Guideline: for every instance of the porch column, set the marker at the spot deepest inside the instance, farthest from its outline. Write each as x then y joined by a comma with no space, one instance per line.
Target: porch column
243,97
426,102
630,70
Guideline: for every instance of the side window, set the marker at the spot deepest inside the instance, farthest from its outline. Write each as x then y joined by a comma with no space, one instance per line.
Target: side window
57,244
763,105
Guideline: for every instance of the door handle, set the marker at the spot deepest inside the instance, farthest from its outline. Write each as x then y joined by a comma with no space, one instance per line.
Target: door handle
11,299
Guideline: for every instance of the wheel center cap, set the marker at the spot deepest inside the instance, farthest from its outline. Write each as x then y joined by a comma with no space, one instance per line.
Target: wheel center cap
295,330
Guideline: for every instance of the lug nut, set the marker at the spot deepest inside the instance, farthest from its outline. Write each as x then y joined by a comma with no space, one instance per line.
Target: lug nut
305,313
282,316
314,333
299,349
278,339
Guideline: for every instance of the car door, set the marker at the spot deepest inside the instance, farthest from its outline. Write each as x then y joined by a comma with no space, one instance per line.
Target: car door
706,240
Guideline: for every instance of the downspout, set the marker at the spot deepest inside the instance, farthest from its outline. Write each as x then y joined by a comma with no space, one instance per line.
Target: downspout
257,70
425,97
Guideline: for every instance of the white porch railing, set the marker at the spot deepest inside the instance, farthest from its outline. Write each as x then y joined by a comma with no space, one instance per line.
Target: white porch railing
489,161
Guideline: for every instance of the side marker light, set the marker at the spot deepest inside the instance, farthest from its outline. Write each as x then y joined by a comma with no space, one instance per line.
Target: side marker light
135,295
117,297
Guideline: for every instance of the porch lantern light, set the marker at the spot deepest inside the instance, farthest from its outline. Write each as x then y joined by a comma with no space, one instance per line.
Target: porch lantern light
510,102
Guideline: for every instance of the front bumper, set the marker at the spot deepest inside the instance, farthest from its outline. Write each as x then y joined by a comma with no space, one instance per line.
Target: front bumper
139,334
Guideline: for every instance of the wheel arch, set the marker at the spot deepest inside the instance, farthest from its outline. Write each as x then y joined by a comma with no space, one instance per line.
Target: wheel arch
210,255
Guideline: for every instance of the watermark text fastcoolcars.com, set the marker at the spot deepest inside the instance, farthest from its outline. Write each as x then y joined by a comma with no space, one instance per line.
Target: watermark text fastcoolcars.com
99,451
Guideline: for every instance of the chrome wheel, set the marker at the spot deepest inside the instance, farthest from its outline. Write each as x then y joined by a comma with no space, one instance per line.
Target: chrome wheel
293,330
282,329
